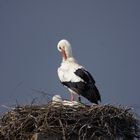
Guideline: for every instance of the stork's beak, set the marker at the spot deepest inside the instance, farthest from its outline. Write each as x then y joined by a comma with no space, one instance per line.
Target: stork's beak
64,54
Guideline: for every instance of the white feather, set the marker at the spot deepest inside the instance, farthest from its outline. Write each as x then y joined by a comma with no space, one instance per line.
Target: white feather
67,69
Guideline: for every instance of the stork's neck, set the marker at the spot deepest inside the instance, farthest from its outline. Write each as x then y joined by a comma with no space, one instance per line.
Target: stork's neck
67,55
69,60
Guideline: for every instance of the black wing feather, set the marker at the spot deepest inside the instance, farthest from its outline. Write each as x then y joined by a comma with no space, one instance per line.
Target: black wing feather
87,88
85,75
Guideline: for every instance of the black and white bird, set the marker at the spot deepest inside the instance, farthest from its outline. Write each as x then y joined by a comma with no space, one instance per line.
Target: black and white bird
75,77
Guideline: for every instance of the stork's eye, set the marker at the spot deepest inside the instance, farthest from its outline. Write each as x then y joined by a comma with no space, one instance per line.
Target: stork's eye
59,47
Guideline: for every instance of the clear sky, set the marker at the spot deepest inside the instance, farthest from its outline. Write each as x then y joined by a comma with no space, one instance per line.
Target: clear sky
105,37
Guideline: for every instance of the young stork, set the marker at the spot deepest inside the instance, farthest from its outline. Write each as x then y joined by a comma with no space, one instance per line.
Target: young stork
74,76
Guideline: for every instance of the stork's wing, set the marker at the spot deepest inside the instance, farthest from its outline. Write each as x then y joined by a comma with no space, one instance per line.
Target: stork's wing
90,90
85,75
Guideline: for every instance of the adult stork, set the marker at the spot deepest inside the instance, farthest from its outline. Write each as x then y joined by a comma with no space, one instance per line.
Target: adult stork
74,76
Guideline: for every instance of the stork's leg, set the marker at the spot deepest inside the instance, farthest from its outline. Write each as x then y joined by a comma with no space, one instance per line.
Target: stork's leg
71,97
79,98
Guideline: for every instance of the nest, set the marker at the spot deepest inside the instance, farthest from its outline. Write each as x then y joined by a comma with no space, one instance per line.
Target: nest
82,121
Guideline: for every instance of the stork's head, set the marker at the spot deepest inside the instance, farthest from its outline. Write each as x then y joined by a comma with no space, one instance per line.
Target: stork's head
65,48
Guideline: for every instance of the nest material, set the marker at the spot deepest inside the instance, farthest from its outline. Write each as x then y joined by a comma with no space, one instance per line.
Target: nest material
84,122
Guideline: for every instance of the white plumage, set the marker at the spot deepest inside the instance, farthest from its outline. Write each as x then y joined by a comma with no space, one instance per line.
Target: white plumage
57,98
67,69
74,76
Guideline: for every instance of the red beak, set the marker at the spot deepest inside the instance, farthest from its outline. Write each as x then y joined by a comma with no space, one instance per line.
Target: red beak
64,54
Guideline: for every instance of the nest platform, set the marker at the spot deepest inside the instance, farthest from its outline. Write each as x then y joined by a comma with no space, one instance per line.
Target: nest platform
66,122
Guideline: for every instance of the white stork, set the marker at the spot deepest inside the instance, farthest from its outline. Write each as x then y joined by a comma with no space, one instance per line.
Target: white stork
74,76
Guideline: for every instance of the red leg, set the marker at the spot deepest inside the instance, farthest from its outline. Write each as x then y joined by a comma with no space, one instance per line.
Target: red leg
79,99
71,97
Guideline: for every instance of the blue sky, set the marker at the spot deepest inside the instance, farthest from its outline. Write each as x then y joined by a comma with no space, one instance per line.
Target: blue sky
105,37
